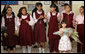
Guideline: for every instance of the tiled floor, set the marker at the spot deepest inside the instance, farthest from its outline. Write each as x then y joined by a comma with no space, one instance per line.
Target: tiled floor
35,50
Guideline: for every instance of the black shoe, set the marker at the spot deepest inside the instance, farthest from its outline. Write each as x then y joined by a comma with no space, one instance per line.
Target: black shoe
35,46
4,48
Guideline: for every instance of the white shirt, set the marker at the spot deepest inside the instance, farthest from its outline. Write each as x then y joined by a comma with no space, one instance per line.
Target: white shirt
3,22
80,19
31,22
49,15
34,16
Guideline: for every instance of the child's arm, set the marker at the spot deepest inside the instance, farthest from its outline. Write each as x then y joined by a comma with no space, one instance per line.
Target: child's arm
48,16
31,22
61,17
16,25
45,18
61,32
34,16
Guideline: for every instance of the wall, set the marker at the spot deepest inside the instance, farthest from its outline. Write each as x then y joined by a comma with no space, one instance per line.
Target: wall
75,7
15,8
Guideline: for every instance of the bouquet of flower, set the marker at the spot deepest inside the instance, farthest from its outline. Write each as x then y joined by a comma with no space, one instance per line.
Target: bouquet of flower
74,34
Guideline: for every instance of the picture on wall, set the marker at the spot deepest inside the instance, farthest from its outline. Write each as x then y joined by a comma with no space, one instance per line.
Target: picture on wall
9,2
47,2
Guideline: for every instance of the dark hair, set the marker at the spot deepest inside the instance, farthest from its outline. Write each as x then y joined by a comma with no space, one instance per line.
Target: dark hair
38,3
57,9
69,6
65,4
82,7
63,21
54,6
4,11
20,11
35,9
8,7
12,11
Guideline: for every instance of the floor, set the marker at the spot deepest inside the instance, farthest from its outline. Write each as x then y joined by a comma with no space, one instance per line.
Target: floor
35,50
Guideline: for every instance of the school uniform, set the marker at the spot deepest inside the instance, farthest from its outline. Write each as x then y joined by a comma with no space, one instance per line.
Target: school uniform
39,28
10,23
68,18
25,30
53,27
80,29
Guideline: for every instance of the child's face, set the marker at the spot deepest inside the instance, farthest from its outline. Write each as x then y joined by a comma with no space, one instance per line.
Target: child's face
39,7
67,8
81,10
9,11
64,25
52,9
24,11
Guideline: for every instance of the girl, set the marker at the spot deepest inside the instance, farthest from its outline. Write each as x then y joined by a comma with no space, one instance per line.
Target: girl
39,30
80,28
4,43
55,2
53,20
68,16
25,29
64,7
9,21
64,42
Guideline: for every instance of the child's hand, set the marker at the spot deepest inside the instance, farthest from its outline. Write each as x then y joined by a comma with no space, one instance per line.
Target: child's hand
20,20
16,32
41,17
61,17
45,16
61,33
5,34
27,21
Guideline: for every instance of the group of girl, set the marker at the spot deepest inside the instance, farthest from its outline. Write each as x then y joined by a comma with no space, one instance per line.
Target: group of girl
29,36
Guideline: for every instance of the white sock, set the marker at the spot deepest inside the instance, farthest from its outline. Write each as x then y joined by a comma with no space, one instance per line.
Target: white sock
29,49
23,49
43,50
39,50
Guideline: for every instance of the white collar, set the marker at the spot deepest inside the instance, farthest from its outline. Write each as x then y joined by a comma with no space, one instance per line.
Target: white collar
9,16
39,12
53,13
69,12
24,16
